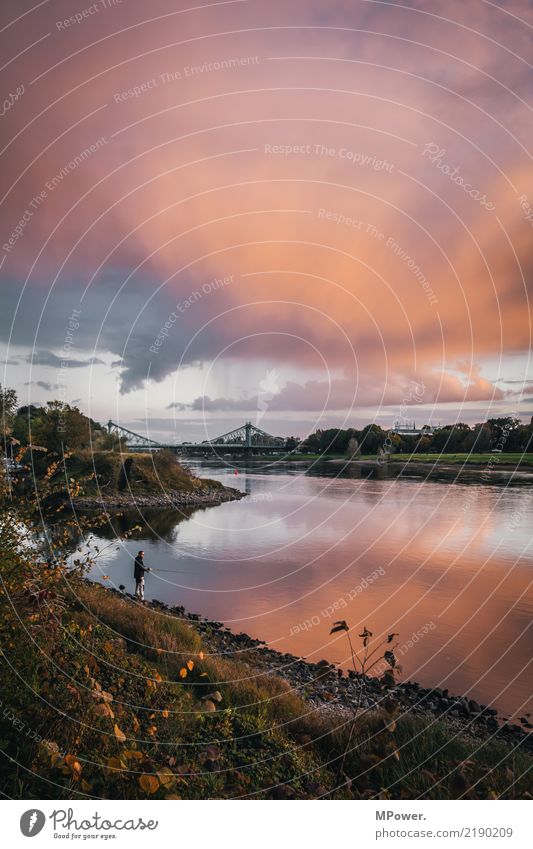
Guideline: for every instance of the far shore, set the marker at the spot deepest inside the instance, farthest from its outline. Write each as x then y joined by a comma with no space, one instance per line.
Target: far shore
491,469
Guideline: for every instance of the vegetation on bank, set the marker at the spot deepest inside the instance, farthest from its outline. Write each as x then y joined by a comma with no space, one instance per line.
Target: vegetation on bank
108,473
104,698
60,453
475,459
506,435
60,428
510,459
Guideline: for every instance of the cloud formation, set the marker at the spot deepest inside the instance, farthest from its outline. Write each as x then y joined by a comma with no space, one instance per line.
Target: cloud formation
359,172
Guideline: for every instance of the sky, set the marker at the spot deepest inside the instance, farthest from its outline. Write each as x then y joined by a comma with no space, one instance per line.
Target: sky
305,214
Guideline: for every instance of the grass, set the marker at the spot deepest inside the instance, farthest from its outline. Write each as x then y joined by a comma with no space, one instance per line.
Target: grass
254,738
479,459
109,473
492,458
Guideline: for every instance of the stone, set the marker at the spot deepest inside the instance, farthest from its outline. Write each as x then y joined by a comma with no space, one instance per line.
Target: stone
216,696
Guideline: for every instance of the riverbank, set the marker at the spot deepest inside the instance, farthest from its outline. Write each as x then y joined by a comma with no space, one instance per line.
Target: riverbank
439,470
207,496
331,690
120,700
110,481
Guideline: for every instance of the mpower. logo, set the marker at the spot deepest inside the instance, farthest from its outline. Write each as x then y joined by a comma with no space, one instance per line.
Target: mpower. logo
32,822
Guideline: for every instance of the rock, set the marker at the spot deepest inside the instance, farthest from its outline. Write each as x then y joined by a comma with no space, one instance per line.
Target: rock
473,706
208,707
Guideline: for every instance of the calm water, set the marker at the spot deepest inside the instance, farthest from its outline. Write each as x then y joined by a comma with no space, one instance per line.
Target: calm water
449,567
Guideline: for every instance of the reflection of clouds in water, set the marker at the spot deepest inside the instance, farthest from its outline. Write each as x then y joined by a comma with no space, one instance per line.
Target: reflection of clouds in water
265,565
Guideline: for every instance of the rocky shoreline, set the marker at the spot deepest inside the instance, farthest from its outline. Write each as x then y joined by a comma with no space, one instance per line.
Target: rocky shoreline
205,497
331,689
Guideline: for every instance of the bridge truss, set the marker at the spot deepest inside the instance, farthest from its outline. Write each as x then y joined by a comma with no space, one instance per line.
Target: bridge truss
135,441
247,438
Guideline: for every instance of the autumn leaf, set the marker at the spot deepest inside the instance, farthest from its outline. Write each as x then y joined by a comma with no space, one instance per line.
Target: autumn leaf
73,763
201,655
149,783
116,763
190,665
164,713
121,737
166,777
103,709
183,672
136,724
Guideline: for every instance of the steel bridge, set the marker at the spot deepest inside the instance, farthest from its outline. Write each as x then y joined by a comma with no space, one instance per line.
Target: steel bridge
246,439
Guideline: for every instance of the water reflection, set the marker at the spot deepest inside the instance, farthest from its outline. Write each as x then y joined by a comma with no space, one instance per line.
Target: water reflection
447,566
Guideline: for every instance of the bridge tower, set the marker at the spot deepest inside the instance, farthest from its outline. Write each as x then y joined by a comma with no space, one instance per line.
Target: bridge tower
248,437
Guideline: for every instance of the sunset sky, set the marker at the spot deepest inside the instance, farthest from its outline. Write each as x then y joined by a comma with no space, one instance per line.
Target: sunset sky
289,212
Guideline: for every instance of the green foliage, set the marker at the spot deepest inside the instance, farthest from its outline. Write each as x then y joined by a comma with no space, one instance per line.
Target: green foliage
102,697
499,435
8,406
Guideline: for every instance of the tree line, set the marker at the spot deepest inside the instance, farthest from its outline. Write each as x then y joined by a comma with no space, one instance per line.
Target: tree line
503,434
58,427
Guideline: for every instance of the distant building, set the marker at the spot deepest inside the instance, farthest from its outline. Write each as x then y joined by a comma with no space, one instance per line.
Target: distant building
405,428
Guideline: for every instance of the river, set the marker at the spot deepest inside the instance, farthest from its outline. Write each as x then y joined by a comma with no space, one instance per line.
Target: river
447,566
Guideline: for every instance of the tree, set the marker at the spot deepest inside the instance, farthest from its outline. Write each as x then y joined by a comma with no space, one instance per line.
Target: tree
372,438
423,445
352,449
23,422
503,429
480,439
61,427
450,439
8,407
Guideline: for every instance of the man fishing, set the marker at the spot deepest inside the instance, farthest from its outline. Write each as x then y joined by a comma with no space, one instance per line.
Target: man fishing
138,572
